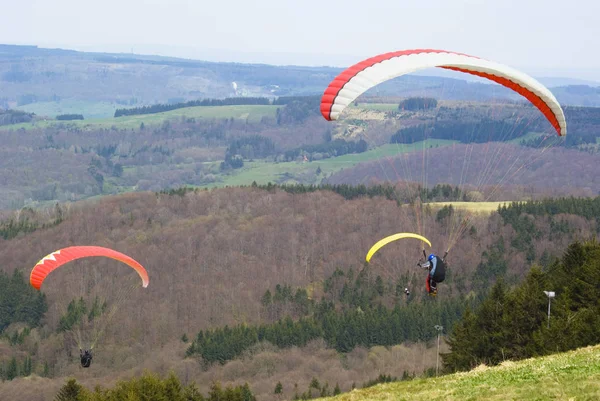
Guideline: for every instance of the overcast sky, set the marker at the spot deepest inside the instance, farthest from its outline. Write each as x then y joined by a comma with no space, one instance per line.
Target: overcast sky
542,37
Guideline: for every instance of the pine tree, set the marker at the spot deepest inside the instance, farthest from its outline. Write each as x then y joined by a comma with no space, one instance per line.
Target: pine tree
314,383
71,391
278,388
26,371
246,394
12,369
173,388
191,393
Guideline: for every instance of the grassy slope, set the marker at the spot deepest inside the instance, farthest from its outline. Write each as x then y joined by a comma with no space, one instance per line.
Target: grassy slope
573,375
252,112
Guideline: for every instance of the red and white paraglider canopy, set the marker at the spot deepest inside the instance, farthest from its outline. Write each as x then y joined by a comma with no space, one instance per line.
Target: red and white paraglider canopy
355,80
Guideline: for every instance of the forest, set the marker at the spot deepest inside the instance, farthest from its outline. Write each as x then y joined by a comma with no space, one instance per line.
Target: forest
302,293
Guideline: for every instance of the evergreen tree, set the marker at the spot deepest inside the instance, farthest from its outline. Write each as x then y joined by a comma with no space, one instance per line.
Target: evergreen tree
266,299
71,391
26,371
12,369
191,393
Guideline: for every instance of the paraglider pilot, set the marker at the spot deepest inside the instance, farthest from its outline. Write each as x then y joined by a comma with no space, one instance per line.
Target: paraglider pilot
86,358
437,271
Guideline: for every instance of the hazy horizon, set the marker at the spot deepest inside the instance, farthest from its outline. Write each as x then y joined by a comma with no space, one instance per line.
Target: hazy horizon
542,38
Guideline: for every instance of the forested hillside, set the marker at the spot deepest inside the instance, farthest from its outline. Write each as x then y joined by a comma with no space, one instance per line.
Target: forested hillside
68,163
570,168
215,256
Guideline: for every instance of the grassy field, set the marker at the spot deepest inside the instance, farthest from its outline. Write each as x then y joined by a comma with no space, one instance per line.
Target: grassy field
250,112
569,376
376,106
265,172
483,207
528,136
69,106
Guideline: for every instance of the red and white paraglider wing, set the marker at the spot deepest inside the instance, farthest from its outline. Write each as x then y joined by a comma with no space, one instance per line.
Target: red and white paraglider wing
58,258
355,80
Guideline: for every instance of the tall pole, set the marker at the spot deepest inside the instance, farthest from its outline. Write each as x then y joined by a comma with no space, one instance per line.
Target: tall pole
437,361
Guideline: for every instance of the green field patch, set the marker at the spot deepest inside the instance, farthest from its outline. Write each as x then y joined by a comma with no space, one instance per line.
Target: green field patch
253,113
527,137
71,106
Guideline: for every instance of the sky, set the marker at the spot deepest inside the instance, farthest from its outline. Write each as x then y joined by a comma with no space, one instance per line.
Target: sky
540,37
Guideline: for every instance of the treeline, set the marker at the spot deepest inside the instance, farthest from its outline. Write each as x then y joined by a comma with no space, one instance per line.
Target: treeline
28,223
418,103
259,147
251,147
485,130
152,387
351,313
285,100
582,123
8,117
297,109
439,193
318,390
159,108
315,390
584,207
518,215
570,141
337,147
513,324
13,227
13,368
69,117
19,301
345,190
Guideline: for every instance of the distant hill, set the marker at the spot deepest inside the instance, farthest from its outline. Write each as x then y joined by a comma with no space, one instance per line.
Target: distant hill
553,82
57,81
